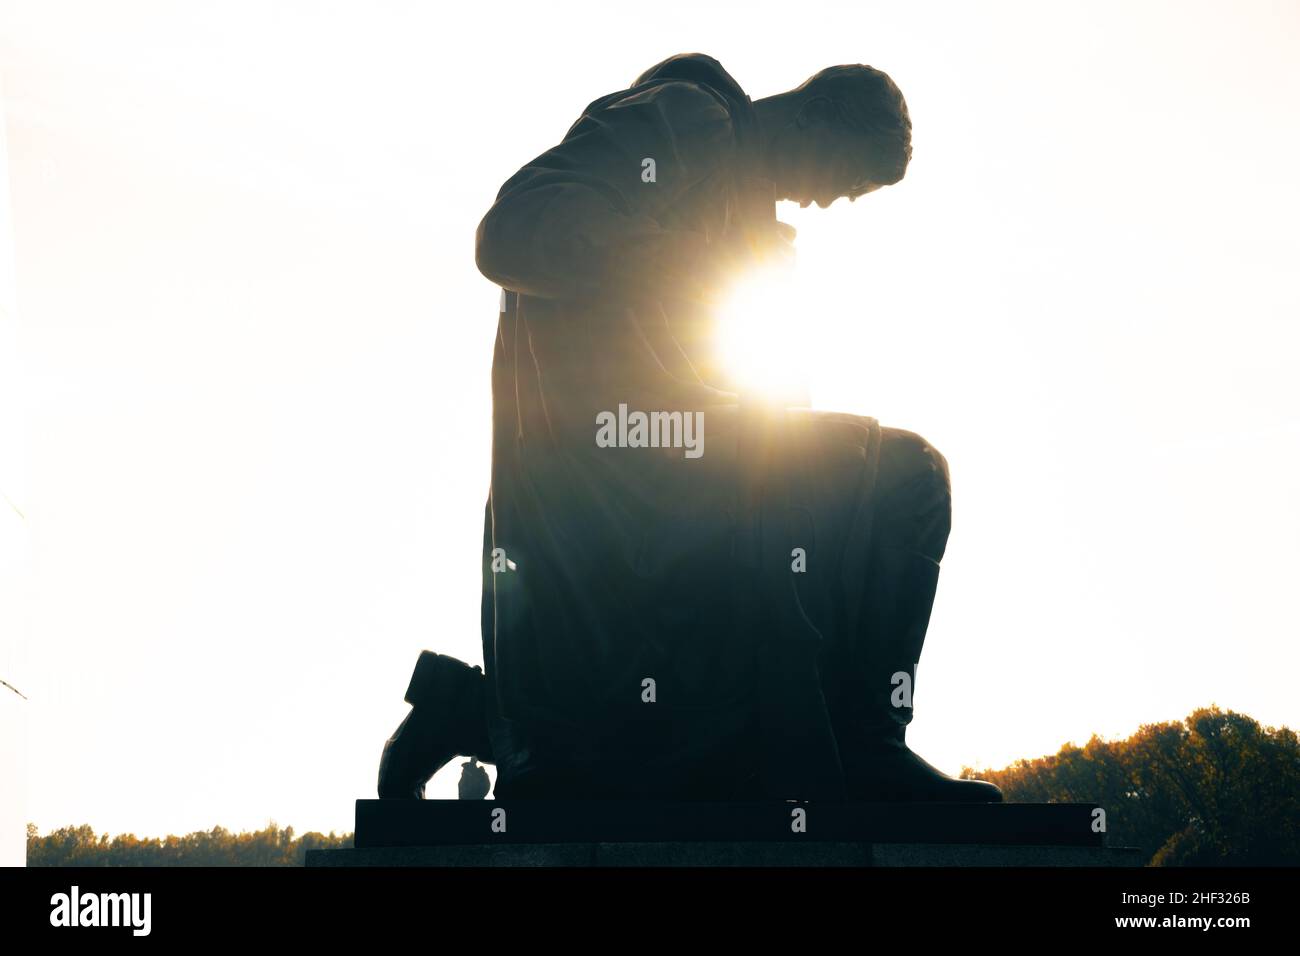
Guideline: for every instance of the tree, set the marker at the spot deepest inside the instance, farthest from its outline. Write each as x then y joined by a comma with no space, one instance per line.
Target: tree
271,846
1216,789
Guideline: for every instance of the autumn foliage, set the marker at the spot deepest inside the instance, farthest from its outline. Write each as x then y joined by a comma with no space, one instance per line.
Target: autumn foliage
1215,789
272,846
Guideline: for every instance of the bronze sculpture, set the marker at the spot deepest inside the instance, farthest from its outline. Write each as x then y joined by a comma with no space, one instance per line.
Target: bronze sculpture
646,629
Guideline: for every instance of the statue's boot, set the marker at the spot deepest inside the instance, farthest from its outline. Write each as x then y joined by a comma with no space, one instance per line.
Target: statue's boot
446,721
871,729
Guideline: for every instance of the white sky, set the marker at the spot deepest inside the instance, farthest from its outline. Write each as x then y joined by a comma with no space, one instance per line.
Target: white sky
254,365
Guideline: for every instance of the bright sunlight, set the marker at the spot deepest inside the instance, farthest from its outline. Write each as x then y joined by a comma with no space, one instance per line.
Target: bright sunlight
764,336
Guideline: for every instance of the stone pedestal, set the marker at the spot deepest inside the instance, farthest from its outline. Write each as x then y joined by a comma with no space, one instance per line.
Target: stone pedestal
578,833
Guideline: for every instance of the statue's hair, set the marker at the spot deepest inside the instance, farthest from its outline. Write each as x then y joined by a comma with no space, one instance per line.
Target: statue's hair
869,103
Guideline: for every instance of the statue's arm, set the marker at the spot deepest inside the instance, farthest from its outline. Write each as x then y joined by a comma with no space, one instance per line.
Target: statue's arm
581,222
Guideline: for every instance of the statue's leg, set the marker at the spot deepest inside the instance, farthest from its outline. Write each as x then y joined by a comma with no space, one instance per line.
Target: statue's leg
876,669
451,709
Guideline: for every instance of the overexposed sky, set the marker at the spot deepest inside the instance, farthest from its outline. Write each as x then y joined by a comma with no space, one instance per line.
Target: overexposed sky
252,355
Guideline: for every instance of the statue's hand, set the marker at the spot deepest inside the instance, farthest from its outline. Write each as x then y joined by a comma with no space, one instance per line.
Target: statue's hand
770,247
715,265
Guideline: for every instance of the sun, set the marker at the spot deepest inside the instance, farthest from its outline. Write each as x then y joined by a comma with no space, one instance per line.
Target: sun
763,330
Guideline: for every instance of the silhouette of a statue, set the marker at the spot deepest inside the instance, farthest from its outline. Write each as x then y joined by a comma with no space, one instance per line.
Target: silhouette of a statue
645,630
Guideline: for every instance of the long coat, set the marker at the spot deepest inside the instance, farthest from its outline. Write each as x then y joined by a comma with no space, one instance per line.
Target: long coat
630,592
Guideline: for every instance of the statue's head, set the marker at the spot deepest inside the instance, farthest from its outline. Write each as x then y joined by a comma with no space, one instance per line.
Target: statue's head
844,132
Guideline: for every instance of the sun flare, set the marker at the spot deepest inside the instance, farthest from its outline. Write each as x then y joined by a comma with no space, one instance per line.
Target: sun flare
763,337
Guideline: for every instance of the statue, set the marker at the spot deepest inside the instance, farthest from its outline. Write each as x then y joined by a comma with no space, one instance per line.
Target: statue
686,594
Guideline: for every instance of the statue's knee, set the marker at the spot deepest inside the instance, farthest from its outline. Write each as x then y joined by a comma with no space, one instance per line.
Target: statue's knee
907,459
914,495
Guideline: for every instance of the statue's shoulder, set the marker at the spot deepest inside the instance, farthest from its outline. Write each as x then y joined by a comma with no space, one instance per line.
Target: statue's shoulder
679,101
685,86
699,68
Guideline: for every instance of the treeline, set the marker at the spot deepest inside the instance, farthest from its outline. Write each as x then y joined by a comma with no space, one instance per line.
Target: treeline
272,846
1216,789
